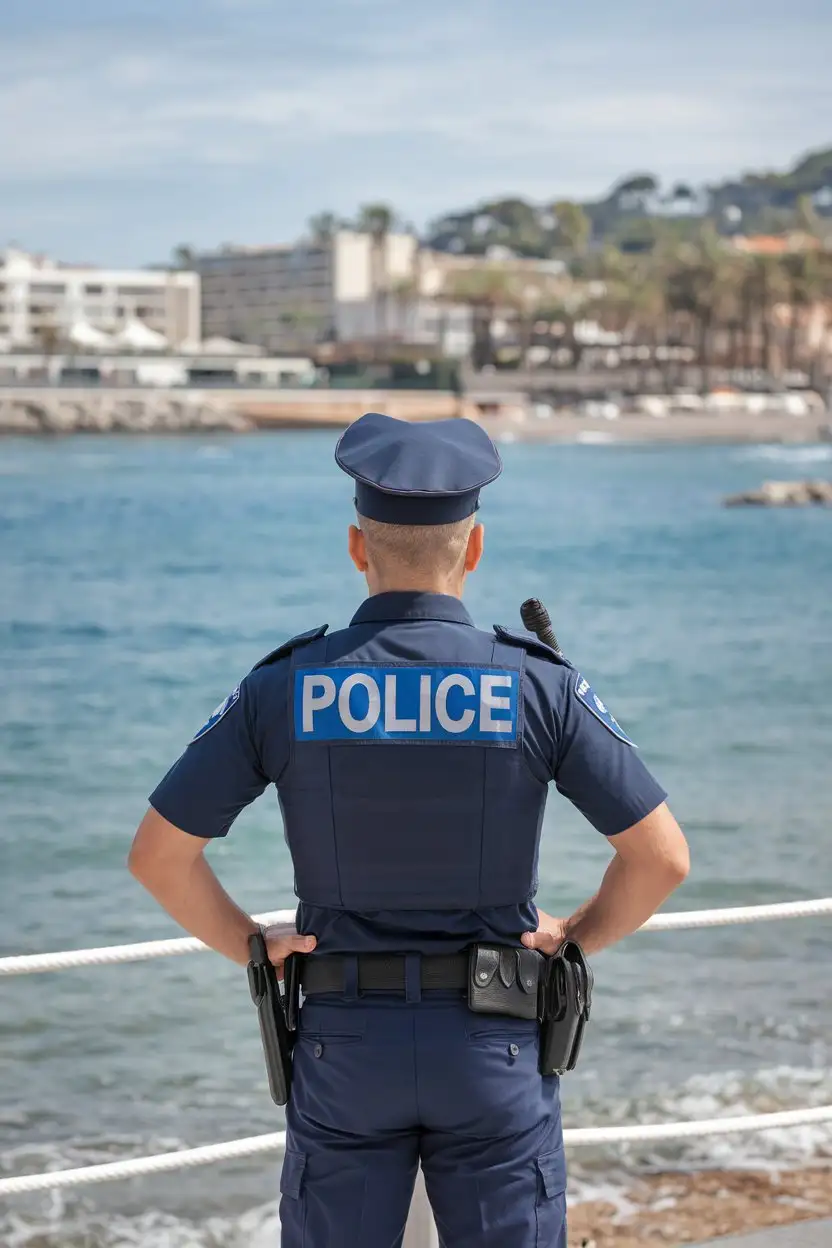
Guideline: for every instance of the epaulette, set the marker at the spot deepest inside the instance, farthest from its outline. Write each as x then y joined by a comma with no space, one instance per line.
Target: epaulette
517,637
302,639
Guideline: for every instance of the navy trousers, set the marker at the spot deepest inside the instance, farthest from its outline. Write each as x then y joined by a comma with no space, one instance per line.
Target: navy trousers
382,1085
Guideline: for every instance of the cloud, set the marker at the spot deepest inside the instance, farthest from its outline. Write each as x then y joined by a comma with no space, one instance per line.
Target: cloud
429,108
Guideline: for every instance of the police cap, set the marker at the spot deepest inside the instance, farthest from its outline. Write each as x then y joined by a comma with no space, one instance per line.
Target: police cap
425,473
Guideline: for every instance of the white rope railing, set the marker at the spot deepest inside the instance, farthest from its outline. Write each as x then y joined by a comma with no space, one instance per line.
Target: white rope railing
678,920
573,1137
576,1137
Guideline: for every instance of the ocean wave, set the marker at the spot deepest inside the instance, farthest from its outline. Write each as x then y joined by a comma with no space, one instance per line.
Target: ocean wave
724,1095
789,454
66,1227
213,452
72,1220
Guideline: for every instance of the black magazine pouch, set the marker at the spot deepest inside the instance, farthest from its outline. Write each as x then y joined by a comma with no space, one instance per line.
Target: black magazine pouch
271,1012
504,980
565,1001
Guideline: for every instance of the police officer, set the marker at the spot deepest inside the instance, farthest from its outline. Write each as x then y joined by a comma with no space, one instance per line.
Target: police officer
412,755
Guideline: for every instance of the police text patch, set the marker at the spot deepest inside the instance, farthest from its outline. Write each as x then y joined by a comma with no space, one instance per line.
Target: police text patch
223,709
590,699
377,703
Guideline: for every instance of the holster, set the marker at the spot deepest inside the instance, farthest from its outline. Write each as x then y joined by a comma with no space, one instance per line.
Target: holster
565,1002
503,980
276,1033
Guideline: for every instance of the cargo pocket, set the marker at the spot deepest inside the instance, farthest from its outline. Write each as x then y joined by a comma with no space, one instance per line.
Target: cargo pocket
551,1200
291,1175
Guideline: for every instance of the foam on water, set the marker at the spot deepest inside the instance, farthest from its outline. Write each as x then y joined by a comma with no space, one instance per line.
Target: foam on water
790,454
76,1218
137,594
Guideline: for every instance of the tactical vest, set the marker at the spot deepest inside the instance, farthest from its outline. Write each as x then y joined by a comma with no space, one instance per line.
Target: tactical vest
407,787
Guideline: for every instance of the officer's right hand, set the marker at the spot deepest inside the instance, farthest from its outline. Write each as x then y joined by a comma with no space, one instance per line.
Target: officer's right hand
281,940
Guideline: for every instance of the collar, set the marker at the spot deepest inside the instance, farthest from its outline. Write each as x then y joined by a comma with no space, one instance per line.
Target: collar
401,604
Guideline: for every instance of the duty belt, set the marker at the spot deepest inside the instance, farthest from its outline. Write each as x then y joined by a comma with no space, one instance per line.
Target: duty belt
380,972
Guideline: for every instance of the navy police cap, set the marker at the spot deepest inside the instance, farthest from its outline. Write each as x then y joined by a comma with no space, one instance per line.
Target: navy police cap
425,473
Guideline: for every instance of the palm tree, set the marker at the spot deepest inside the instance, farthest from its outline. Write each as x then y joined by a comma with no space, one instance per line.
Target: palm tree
801,270
484,290
404,292
703,284
322,226
768,286
377,220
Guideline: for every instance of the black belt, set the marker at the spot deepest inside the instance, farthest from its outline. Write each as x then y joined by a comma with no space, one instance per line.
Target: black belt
382,972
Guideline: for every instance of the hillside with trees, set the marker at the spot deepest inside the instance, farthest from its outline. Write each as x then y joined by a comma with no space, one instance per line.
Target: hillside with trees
638,211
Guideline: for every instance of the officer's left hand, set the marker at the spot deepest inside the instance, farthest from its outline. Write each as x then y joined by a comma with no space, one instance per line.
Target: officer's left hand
281,940
550,934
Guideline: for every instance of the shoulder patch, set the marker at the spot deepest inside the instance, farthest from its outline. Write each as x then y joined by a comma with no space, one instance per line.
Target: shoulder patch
222,710
518,637
293,643
588,698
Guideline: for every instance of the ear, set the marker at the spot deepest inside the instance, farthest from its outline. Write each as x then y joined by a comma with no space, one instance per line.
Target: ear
357,548
476,542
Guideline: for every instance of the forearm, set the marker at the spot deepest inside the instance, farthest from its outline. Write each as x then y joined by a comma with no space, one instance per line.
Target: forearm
193,896
627,898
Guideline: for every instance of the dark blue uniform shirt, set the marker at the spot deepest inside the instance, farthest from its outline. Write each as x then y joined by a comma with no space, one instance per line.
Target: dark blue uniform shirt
412,754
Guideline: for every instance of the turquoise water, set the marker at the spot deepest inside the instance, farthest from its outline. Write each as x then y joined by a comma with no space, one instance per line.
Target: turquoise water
142,578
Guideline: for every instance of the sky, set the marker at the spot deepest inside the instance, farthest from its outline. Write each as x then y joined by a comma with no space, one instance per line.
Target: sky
129,126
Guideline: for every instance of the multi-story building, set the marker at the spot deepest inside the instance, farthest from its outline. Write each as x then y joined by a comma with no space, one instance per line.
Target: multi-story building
338,287
44,301
349,287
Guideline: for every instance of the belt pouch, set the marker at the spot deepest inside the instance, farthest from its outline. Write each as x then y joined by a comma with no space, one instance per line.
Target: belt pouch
503,980
565,1002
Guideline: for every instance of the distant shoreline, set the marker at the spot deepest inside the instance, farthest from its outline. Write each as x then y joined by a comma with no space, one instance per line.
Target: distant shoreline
55,412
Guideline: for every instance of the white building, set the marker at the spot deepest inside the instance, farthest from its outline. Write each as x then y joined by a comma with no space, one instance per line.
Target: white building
45,303
216,365
344,287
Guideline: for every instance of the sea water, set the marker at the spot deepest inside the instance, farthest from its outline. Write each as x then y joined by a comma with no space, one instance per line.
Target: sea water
141,579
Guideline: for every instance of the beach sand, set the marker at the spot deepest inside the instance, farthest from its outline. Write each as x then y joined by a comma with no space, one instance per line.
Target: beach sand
724,427
678,1208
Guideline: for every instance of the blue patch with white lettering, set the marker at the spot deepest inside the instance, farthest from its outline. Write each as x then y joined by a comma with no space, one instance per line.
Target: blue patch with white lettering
223,709
585,694
376,703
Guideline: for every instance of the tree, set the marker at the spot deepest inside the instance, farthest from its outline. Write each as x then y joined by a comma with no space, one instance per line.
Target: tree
484,290
404,291
638,184
322,226
377,220
804,283
633,193
682,191
701,280
184,256
808,218
573,227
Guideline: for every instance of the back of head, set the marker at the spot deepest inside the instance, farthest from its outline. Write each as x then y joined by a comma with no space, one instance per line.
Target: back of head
416,552
417,490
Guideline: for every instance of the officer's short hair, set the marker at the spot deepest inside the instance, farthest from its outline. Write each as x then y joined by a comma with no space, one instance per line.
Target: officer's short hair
418,547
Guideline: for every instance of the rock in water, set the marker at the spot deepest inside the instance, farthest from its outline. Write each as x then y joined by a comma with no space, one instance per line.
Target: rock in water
784,494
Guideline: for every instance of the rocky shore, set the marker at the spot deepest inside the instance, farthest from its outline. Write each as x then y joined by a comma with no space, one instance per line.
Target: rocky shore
107,413
676,1209
67,410
784,494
